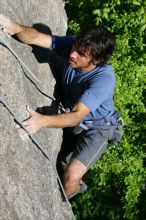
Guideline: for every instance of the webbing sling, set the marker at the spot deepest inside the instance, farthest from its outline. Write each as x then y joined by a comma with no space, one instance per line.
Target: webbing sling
31,76
38,85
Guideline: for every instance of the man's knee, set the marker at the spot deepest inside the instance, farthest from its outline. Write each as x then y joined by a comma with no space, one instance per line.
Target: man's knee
74,172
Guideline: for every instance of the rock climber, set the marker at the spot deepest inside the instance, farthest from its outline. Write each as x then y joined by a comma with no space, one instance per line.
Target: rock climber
88,84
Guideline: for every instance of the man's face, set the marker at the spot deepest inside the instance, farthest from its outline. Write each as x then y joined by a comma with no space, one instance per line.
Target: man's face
82,62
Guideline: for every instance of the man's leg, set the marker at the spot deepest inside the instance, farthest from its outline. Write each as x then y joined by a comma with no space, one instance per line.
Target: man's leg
88,149
67,147
73,176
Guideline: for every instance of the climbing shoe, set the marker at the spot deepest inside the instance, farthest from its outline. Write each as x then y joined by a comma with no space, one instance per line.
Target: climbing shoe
83,188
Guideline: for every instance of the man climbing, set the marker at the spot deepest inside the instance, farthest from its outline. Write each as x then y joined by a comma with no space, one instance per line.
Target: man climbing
88,84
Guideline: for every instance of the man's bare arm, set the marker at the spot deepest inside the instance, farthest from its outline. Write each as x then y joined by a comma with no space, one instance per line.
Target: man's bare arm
69,119
25,34
37,121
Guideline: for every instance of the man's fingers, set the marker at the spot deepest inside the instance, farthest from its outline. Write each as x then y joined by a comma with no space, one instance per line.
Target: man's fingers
25,123
5,24
4,19
8,25
5,30
21,131
30,111
31,124
18,126
2,16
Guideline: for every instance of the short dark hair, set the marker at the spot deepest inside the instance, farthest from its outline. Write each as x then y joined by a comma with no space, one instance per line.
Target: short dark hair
98,41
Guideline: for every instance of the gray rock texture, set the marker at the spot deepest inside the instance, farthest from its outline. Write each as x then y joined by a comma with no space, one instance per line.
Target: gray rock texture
28,185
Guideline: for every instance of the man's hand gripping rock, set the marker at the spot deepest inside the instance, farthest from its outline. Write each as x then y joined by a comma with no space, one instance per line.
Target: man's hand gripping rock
8,26
35,122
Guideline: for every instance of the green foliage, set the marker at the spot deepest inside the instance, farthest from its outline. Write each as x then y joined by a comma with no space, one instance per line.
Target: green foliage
118,181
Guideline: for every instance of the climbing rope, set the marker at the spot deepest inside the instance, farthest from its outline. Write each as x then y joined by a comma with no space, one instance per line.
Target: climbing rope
31,75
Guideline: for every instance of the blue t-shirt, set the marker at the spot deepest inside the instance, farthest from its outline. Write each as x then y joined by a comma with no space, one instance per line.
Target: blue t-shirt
94,88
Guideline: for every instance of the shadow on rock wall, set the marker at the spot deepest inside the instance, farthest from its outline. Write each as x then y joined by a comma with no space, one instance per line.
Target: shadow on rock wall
44,55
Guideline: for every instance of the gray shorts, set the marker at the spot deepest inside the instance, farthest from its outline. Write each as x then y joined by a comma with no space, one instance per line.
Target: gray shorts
87,147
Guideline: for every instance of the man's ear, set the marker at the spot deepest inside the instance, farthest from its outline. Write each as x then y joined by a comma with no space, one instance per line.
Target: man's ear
99,61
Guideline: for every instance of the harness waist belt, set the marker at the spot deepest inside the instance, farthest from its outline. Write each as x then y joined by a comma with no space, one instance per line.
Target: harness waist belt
106,121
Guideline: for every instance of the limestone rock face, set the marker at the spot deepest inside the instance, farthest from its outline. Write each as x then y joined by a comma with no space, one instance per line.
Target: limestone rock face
28,183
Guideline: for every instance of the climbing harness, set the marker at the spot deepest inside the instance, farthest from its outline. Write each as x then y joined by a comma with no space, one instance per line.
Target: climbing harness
37,84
